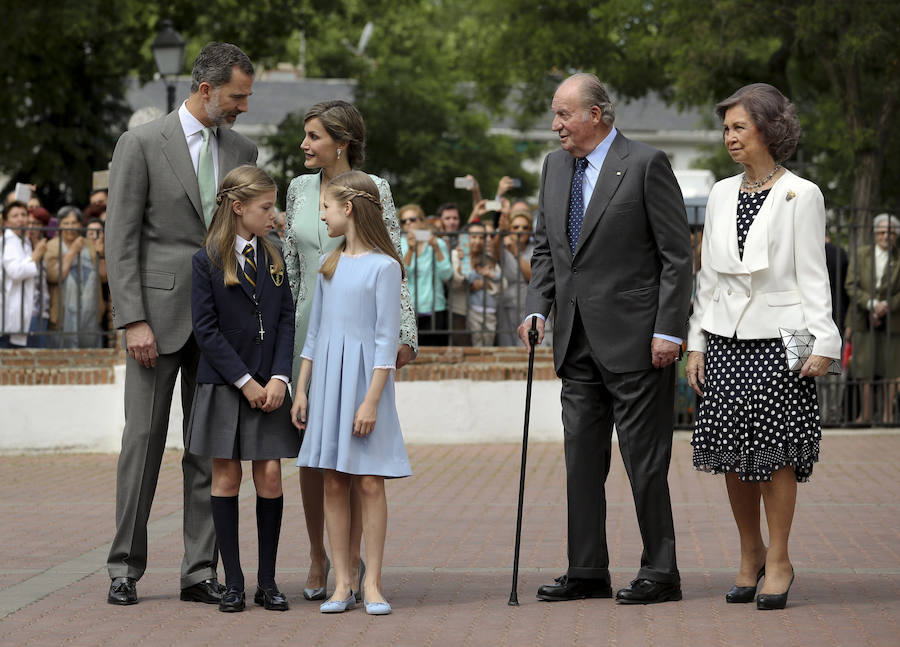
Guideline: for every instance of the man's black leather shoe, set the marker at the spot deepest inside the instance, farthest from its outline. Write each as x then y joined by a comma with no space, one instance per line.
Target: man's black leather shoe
232,600
648,592
207,591
271,598
122,590
571,588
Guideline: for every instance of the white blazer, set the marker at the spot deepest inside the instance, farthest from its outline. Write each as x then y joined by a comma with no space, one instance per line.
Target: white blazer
782,281
20,275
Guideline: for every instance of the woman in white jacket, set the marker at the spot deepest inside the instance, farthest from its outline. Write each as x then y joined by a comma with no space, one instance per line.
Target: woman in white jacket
763,269
20,271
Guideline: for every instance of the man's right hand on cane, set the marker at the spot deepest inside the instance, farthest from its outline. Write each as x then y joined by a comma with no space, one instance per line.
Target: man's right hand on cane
526,326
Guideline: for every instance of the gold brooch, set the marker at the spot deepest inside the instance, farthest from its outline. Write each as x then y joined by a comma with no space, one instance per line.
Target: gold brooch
790,196
277,276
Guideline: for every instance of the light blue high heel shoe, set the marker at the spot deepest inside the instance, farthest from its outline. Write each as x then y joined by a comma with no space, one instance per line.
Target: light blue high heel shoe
359,581
338,606
378,608
318,593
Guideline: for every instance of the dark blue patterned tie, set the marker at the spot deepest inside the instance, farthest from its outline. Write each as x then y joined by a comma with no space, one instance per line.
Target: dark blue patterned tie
576,203
249,270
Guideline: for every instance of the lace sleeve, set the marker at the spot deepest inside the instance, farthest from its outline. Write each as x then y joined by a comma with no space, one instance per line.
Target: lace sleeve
293,257
409,333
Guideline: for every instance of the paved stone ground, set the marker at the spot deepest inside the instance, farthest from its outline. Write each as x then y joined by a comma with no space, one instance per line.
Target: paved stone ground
449,558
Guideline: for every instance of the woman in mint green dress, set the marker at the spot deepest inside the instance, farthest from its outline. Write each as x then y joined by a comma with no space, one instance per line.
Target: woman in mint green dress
334,143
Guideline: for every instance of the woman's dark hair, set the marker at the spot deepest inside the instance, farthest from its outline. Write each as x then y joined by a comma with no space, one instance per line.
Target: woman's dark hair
343,122
93,211
15,204
772,114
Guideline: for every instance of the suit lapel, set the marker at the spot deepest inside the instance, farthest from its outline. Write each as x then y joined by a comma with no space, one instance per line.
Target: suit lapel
608,182
724,256
175,149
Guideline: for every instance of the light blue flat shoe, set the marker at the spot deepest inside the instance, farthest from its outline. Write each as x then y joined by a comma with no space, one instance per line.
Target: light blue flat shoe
378,608
338,606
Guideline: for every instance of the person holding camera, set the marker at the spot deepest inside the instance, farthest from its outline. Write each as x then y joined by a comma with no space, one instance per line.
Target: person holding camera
427,262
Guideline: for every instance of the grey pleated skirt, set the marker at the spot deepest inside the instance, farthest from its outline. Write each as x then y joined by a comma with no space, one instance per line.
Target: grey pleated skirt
224,425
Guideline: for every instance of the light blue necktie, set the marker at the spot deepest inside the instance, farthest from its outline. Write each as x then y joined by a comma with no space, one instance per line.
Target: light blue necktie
576,204
206,178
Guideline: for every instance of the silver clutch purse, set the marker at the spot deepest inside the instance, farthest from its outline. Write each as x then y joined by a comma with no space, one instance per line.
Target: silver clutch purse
798,346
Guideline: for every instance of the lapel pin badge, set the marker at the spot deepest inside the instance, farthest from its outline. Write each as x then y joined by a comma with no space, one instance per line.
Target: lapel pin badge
790,196
618,172
277,276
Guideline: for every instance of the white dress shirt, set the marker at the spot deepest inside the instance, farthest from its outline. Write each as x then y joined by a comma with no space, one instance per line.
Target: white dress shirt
193,133
239,245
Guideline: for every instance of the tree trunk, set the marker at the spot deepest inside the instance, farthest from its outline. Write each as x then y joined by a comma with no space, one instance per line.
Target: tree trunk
866,185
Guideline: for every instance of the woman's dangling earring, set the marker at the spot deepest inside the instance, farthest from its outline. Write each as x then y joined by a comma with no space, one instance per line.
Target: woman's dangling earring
340,150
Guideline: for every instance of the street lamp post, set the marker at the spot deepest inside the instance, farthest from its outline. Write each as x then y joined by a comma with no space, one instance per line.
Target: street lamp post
168,52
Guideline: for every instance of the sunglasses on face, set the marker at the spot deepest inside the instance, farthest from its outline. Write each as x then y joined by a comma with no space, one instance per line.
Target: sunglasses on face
406,221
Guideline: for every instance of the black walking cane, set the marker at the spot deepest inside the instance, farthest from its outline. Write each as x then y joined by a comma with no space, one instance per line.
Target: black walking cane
532,340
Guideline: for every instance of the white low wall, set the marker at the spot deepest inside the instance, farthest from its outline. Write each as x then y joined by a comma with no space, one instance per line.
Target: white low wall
90,418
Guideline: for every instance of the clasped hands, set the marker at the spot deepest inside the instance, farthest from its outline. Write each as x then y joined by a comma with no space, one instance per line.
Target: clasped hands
267,398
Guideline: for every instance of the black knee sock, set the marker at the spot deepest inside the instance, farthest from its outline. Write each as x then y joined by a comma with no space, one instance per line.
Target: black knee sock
268,528
225,519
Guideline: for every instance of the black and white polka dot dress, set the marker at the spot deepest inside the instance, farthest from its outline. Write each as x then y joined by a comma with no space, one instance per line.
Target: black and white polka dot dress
756,416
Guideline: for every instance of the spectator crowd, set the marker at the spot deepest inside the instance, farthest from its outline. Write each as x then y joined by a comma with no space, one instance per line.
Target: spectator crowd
468,267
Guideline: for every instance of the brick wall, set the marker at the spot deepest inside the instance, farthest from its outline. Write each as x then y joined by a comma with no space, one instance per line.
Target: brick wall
57,366
95,366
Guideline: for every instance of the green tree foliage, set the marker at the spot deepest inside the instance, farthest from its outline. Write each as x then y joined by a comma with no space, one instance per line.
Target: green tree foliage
838,60
435,74
62,89
424,125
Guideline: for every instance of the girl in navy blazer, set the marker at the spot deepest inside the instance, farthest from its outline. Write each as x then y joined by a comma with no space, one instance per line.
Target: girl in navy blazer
244,325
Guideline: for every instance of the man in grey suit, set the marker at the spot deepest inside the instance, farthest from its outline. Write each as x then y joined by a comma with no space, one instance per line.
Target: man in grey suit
163,182
613,254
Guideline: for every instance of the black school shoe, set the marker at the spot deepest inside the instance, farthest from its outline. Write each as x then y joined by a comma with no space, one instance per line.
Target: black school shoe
271,598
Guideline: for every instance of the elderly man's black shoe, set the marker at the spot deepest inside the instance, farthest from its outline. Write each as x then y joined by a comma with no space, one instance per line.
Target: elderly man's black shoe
642,591
572,588
122,590
271,598
208,591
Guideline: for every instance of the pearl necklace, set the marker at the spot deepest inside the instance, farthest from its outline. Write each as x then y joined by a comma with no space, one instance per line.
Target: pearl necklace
752,187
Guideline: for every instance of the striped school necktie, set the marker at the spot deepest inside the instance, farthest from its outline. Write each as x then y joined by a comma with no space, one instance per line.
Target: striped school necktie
249,270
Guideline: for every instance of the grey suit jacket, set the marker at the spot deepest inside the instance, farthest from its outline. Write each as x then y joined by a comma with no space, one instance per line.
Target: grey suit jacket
155,224
630,276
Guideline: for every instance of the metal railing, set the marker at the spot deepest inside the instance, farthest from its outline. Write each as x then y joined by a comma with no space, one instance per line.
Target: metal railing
453,312
60,306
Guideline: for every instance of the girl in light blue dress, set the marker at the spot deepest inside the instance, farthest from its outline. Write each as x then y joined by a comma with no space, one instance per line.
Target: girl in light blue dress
352,431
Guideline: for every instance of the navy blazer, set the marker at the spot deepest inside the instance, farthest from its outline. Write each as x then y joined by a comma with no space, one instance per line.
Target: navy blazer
226,325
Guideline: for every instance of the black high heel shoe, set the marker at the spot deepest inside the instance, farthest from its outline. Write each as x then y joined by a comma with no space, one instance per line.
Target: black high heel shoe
744,594
769,601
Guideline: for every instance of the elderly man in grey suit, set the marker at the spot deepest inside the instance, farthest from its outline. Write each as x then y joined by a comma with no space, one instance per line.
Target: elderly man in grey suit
613,254
163,182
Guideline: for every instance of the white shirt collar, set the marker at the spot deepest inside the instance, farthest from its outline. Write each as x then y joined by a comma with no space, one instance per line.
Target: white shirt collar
190,124
240,243
595,157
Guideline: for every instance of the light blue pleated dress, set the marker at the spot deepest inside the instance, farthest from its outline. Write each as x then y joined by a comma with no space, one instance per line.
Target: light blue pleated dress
353,328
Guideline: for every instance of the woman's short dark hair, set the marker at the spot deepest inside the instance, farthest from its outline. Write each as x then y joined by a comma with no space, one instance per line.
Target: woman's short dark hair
343,122
15,204
772,113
